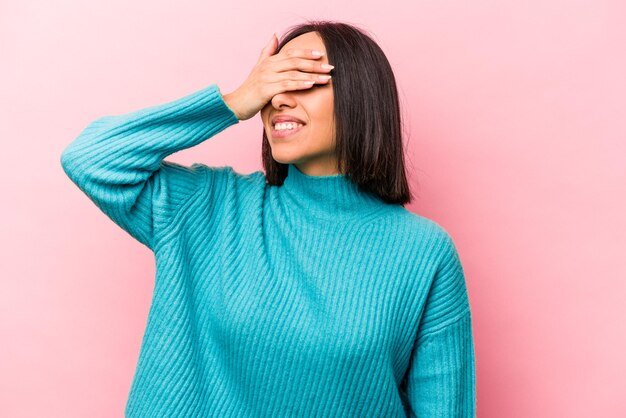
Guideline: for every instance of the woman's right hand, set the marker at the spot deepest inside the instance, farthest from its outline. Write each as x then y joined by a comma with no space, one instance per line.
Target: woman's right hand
273,74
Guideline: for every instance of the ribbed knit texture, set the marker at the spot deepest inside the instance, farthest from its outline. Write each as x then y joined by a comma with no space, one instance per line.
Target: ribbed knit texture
310,299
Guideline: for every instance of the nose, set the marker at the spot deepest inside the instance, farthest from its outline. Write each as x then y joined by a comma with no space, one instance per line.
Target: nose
284,99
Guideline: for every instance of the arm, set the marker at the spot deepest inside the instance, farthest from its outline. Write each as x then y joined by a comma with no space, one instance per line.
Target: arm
117,161
441,378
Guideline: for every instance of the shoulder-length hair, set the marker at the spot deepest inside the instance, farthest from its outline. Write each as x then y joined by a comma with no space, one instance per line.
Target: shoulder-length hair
368,125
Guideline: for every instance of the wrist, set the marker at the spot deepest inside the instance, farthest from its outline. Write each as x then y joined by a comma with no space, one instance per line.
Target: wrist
231,100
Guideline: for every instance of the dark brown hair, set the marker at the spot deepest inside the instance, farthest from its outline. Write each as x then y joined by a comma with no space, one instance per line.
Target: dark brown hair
368,125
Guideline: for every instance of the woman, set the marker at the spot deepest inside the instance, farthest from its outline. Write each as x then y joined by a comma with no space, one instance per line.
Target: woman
307,290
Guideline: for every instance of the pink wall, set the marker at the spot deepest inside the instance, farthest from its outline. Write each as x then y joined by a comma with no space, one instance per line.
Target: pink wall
518,129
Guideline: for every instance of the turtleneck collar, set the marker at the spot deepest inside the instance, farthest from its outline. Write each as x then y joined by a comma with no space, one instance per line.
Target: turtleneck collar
331,198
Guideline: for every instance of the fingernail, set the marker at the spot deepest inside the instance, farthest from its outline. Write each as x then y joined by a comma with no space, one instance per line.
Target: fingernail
317,53
328,66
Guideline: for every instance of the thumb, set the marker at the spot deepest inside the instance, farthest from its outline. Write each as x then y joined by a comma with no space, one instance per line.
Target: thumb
269,49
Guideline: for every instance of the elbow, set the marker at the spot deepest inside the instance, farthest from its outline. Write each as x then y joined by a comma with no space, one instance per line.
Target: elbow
75,155
69,162
66,160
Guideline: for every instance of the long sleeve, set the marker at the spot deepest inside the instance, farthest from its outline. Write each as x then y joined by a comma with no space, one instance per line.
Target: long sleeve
118,161
441,378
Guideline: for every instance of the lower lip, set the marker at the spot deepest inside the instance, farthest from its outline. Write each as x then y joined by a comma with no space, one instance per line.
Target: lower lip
286,133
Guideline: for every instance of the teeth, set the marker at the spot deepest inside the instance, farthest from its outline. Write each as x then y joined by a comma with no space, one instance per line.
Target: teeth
286,126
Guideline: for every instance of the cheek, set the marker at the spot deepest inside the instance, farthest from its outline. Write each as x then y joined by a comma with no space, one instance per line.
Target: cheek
265,110
329,109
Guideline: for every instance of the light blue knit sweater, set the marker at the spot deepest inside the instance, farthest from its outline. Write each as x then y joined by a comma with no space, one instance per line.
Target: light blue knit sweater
310,299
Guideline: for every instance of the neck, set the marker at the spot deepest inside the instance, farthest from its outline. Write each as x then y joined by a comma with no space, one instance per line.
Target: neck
327,197
319,167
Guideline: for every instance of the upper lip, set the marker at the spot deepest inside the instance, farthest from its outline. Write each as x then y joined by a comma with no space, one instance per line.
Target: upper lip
285,118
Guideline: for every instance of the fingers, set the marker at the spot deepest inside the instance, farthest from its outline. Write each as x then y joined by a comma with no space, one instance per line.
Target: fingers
292,69
299,53
269,48
301,64
289,85
288,81
291,79
299,59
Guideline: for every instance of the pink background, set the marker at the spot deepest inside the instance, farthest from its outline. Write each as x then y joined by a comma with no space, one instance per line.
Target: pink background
517,117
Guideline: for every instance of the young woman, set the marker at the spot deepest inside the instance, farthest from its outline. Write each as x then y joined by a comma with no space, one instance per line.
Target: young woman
307,290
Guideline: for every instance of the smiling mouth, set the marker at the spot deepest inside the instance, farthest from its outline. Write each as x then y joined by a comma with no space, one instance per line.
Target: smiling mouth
284,133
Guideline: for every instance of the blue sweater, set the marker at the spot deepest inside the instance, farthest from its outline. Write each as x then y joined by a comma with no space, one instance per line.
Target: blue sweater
310,299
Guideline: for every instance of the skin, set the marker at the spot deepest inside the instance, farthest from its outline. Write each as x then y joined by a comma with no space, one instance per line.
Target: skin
277,86
312,148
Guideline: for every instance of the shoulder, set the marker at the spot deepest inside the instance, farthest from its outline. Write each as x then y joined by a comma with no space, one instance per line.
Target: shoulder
211,181
228,175
441,276
424,232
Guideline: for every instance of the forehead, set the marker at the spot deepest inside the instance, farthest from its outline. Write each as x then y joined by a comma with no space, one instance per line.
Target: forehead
309,40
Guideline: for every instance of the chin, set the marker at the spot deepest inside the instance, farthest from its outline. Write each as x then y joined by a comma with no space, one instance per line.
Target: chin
286,157
283,160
